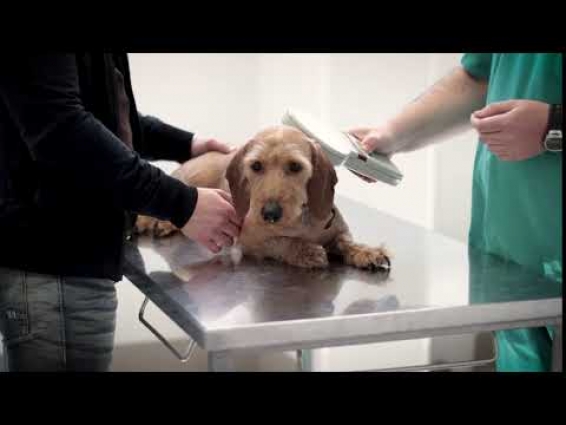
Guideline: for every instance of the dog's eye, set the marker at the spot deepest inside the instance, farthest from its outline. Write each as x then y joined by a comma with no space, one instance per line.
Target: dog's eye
256,166
295,167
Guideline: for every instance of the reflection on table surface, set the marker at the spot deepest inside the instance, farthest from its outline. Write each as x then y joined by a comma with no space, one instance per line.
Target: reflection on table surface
428,271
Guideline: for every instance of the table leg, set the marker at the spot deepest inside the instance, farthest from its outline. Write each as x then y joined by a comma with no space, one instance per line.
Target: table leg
184,357
3,359
557,350
220,361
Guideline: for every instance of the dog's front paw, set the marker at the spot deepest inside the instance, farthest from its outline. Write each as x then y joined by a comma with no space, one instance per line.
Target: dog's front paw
152,226
311,256
164,228
144,224
368,258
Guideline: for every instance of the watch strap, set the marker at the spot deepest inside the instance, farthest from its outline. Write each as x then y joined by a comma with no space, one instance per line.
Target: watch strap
555,117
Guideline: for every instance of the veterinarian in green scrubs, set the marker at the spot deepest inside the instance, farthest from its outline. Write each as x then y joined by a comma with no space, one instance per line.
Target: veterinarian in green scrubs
513,101
517,205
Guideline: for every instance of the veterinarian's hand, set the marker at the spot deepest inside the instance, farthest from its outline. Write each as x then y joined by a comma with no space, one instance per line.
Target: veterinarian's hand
371,139
202,145
512,130
214,222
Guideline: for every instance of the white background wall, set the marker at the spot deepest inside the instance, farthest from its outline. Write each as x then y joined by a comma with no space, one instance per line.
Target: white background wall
232,96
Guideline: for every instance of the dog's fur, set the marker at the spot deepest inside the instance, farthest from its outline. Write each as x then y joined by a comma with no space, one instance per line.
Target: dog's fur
294,173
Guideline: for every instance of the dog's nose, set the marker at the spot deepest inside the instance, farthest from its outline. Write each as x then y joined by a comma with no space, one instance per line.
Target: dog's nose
272,212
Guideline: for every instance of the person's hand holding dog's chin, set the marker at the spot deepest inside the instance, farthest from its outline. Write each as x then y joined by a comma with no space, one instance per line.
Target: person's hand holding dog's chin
214,222
201,145
512,130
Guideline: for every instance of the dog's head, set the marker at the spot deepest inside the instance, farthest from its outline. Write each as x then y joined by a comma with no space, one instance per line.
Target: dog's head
279,176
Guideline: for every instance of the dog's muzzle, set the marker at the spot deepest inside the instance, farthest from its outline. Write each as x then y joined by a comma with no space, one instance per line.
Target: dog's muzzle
272,212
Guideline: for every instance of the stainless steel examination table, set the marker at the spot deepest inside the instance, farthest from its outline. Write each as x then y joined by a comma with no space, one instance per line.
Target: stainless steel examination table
436,287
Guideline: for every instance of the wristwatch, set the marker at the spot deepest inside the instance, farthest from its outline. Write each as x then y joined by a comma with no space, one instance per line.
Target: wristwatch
553,137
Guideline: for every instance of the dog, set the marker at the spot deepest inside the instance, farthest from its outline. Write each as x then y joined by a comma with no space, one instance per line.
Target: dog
282,185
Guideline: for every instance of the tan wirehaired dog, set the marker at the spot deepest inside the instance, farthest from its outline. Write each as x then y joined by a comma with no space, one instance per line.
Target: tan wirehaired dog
282,185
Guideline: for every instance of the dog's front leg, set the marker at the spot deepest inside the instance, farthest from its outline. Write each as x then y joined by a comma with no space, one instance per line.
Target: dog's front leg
359,255
295,252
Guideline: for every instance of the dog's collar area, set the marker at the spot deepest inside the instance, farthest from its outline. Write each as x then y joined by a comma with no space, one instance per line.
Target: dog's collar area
306,217
331,219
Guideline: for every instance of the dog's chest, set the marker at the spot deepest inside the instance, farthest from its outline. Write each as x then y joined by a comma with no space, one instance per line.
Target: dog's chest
256,235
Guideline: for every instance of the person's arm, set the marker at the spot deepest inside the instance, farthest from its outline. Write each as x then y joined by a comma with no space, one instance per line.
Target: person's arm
163,141
444,108
42,96
167,142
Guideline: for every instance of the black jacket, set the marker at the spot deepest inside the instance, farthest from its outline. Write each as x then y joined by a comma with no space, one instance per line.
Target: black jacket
67,183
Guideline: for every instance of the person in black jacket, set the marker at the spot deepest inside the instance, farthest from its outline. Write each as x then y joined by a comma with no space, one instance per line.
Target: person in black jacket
74,173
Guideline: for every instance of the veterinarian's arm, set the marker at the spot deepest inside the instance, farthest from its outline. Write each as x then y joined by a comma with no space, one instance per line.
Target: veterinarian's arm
42,95
444,108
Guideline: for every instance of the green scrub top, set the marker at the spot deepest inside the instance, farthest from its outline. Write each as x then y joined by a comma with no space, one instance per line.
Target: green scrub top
517,206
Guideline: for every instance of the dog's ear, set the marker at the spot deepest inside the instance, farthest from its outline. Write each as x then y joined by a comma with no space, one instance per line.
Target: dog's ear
239,186
320,188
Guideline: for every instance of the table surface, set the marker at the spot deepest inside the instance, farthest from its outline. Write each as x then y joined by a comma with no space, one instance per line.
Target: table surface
436,286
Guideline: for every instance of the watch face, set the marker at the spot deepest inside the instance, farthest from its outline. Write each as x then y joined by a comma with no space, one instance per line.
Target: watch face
553,142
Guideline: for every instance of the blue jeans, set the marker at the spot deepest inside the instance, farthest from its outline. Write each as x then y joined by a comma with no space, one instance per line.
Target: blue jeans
54,323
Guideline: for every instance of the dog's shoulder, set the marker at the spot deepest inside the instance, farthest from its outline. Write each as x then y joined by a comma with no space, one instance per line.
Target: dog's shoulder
206,170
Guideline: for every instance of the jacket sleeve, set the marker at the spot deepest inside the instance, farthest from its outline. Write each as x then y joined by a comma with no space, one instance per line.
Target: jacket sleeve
42,96
478,65
163,141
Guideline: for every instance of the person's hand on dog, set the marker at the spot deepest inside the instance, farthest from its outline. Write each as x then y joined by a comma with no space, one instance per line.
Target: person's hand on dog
202,145
214,222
